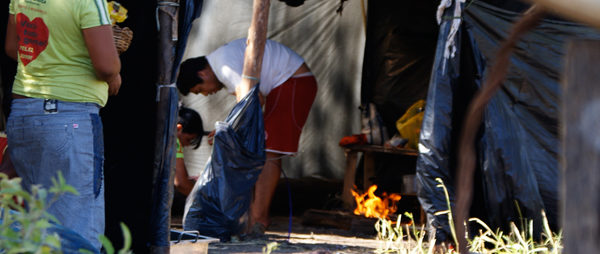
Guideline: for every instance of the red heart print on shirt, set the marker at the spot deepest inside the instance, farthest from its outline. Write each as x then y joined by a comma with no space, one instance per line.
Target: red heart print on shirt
33,37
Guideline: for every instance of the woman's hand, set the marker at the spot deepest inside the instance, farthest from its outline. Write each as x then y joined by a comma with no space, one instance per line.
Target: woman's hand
210,136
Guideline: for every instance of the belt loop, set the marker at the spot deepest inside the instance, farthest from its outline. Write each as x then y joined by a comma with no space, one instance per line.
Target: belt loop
50,106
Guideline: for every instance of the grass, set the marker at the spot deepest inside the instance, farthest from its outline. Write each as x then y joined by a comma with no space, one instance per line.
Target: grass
408,239
24,229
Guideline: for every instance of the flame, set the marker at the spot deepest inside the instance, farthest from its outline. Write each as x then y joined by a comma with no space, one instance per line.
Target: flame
373,206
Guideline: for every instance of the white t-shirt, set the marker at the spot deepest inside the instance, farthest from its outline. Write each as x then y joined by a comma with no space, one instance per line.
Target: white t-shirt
279,64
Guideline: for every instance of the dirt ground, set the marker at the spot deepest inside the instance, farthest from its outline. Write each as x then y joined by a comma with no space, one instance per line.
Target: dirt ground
303,239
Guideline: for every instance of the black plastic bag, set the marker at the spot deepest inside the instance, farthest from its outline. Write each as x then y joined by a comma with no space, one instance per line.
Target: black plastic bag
221,196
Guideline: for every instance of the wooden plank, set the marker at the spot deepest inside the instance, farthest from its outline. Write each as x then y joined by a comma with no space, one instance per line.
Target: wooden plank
580,156
349,179
382,149
369,169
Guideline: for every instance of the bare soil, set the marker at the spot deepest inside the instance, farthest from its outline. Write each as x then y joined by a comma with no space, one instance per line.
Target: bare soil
302,239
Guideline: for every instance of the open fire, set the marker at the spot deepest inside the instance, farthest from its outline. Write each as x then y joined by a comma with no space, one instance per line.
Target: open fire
372,206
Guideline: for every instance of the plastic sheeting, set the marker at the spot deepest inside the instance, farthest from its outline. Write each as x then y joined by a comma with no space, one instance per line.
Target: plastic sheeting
518,140
221,196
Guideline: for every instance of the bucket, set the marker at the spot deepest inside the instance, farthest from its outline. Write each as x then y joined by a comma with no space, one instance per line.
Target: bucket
190,242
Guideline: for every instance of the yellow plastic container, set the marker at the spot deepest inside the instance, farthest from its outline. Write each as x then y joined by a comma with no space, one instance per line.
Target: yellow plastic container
409,125
117,12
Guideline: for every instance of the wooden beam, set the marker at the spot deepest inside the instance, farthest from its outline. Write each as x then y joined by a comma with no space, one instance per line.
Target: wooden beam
257,37
349,178
580,153
584,11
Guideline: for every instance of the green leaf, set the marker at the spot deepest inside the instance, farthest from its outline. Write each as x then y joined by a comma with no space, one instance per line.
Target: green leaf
70,189
53,240
126,238
42,224
108,247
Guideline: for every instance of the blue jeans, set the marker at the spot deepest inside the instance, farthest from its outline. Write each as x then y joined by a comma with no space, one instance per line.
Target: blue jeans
48,136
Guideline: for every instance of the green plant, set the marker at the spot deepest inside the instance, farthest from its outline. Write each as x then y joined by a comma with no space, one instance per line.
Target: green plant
108,247
395,239
517,240
398,239
449,211
23,230
270,247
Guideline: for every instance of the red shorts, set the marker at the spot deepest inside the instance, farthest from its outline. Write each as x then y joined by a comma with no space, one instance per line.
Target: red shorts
286,109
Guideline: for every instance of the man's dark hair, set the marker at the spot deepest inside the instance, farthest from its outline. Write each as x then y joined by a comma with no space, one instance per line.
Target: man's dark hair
293,3
188,73
191,122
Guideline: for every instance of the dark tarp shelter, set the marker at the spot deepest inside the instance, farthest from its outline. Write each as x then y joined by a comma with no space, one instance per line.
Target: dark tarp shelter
517,144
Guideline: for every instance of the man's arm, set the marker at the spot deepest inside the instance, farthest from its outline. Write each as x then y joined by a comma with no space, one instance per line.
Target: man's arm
103,53
11,41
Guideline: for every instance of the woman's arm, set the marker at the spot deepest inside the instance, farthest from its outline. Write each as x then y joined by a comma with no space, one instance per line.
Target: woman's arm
103,53
12,41
183,183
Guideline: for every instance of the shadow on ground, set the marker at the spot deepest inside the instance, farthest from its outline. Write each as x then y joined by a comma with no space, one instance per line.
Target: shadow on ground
302,239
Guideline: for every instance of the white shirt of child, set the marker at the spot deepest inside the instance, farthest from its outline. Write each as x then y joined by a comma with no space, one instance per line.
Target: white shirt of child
279,64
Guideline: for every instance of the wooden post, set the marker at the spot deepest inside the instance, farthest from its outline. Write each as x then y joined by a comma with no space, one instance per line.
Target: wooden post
257,37
580,157
368,169
349,178
585,11
166,117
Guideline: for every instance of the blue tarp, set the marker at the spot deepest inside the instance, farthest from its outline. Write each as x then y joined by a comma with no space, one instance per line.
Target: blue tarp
517,145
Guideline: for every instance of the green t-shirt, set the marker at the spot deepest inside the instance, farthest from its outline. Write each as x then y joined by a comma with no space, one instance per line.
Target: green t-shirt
53,59
179,153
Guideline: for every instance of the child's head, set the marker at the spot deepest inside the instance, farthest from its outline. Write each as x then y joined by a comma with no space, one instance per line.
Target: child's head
196,76
189,127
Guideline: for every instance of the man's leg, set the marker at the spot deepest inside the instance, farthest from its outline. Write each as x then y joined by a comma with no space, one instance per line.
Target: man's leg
265,189
286,110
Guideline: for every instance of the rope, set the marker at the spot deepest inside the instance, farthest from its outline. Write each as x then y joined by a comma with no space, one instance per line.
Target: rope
287,181
159,86
289,188
450,47
164,4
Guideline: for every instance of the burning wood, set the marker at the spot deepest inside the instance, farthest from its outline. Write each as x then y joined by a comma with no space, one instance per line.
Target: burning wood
372,206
